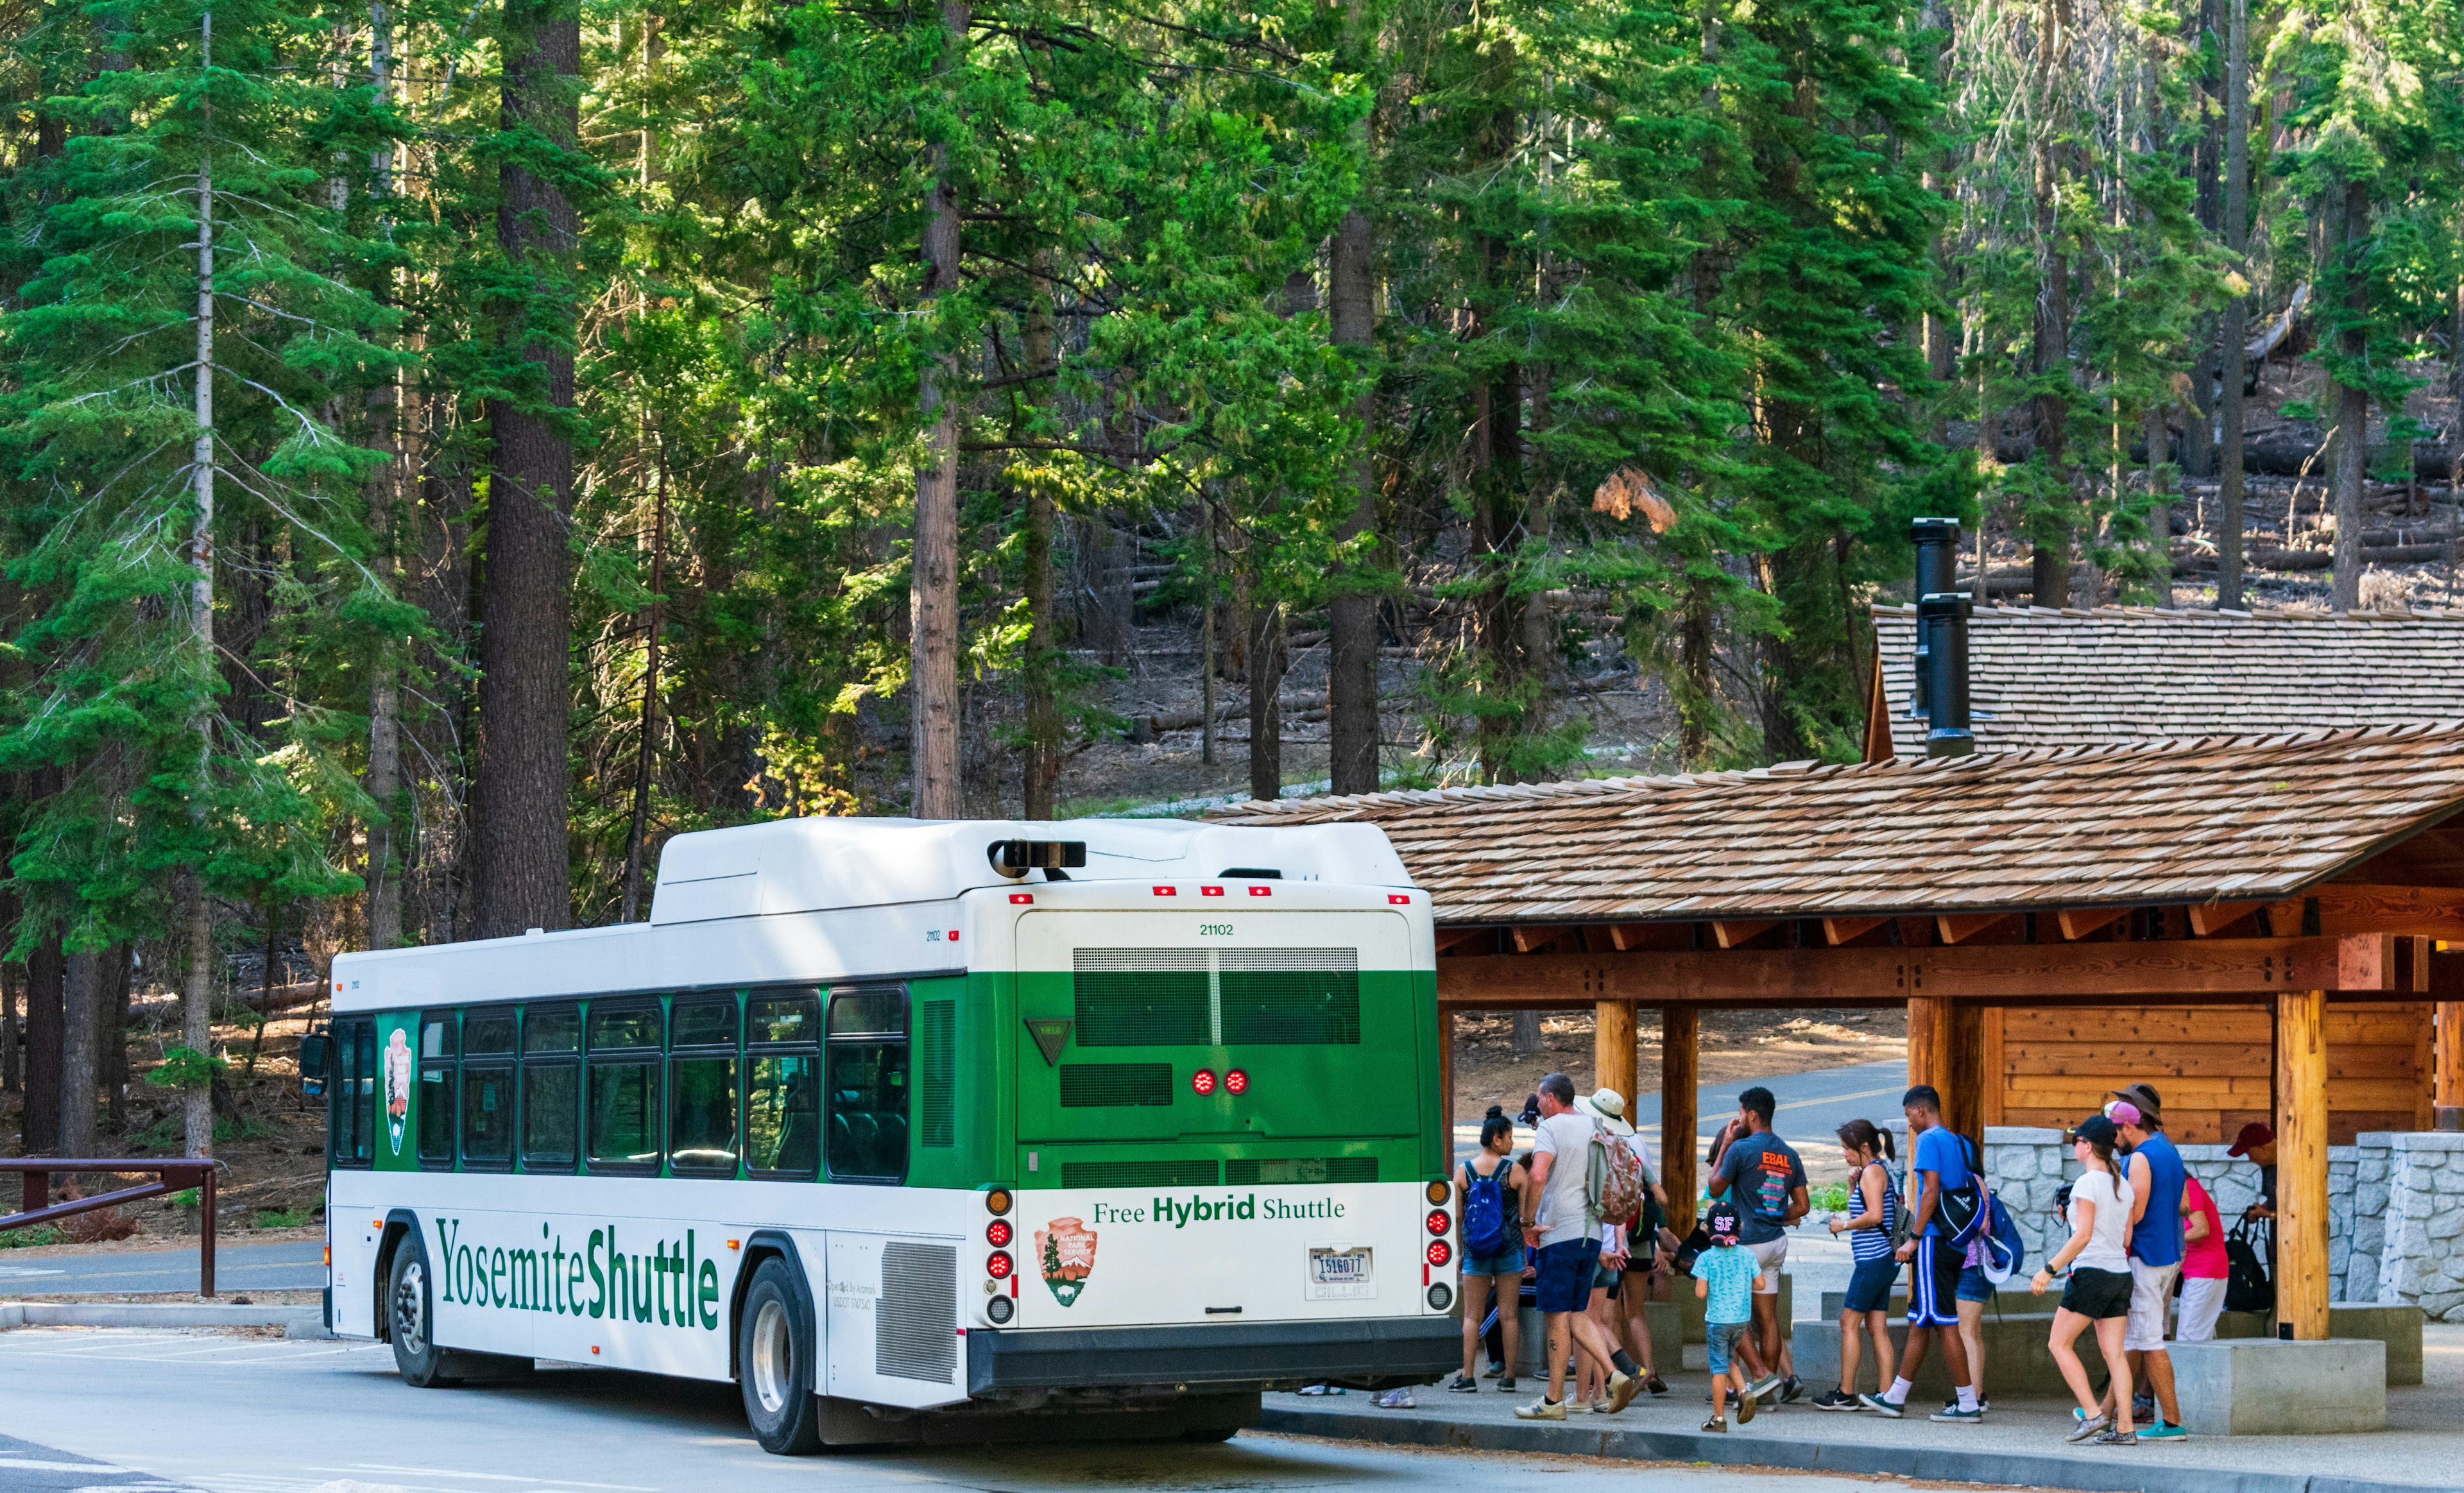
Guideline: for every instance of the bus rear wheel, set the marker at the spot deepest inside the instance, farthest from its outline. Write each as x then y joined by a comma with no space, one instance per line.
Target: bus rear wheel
774,1355
411,1320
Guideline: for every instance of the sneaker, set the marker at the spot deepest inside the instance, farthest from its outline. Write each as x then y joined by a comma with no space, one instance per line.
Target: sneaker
1542,1409
1599,1406
1497,1371
1833,1399
1320,1389
2110,1437
1746,1409
1716,1426
2143,1407
1505,1386
1790,1390
1956,1416
2085,1425
2164,1431
1464,1384
1982,1405
1622,1389
1398,1399
1761,1389
1654,1385
1882,1407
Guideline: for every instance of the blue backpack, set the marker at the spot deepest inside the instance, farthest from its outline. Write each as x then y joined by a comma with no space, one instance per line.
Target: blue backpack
2004,1249
1485,1230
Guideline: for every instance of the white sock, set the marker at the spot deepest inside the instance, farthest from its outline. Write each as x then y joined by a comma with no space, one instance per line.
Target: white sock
1898,1395
1967,1397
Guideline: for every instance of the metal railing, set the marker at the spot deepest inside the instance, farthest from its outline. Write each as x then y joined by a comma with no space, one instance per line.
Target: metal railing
171,1176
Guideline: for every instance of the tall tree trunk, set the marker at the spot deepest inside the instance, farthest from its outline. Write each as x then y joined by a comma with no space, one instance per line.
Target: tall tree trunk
12,1071
80,1052
1040,769
46,1011
196,1015
518,812
646,756
2160,512
2236,315
382,901
1351,615
2050,529
2352,401
1266,663
1695,641
118,986
932,584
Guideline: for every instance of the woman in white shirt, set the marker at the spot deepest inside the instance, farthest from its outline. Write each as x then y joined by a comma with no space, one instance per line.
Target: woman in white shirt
2099,1289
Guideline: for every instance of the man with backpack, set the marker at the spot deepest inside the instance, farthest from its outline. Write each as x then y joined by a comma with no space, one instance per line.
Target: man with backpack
1763,1175
1948,1211
1561,1220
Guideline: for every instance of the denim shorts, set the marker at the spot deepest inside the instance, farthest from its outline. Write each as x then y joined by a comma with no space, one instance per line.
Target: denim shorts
1564,1279
1972,1283
1720,1339
1505,1262
1869,1285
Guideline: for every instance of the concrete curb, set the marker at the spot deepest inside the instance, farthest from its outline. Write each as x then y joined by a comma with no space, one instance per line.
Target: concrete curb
1925,1463
297,1320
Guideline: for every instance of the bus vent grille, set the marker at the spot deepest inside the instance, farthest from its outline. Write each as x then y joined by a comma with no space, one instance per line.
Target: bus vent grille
1251,1173
1292,997
1098,1085
914,1332
933,1023
1138,1174
1141,997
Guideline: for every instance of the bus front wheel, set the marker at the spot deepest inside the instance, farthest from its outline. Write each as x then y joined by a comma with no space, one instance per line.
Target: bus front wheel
774,1354
411,1319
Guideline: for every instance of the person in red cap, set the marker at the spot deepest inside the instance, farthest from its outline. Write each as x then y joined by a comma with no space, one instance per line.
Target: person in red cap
2258,1143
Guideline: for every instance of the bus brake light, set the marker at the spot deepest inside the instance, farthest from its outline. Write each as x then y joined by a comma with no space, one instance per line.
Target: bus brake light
998,1232
1438,1222
1441,1252
998,1264
1236,1082
1202,1081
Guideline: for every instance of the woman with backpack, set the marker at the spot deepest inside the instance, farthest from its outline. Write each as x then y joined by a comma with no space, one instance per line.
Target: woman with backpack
1488,1200
1872,1232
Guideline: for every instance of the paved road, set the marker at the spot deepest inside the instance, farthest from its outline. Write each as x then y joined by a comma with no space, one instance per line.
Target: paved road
297,1266
276,1416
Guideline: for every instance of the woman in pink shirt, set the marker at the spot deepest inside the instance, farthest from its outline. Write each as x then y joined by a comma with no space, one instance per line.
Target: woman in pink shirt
2203,1265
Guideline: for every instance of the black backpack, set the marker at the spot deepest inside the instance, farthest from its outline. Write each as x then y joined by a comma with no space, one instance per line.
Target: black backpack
2248,1286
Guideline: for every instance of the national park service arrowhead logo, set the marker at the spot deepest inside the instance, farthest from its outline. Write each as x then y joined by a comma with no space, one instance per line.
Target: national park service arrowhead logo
1065,1248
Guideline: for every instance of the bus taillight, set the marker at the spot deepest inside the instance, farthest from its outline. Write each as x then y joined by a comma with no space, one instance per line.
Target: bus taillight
1202,1081
1437,1220
998,1264
1439,1252
1236,1082
996,1232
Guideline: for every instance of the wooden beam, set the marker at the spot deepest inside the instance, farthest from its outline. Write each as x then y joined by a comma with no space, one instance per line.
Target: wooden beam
1625,937
1837,931
1613,1049
2126,971
1732,934
2210,918
1680,1039
2080,922
2446,1084
1956,927
2361,907
2301,1162
1530,939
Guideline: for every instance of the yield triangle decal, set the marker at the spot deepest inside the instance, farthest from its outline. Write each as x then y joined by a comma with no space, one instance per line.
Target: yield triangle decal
1050,1034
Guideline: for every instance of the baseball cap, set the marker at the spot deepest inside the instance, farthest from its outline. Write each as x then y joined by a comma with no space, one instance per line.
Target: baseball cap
1723,1223
2095,1128
2122,1111
2251,1135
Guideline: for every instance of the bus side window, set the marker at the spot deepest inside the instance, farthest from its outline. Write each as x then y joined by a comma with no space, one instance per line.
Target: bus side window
488,1090
866,1083
702,1067
551,1088
622,1103
354,1093
440,1085
782,1090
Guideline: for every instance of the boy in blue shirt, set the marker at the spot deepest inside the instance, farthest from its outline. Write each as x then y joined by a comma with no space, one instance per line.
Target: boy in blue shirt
1725,1278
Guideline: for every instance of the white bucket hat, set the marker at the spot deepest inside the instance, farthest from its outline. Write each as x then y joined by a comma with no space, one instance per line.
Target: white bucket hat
1608,1106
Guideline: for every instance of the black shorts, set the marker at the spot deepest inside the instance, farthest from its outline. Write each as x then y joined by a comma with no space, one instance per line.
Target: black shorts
2099,1294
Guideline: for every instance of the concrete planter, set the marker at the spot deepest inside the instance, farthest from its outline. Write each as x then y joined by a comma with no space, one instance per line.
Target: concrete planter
2264,1387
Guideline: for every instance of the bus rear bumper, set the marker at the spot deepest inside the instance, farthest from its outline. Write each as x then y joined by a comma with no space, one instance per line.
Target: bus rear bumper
1379,1352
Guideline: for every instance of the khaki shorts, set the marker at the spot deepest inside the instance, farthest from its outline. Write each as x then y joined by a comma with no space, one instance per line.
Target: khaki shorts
2151,1291
2201,1301
1768,1257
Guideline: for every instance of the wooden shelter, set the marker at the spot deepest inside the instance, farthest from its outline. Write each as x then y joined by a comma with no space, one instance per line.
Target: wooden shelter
2284,883
2040,678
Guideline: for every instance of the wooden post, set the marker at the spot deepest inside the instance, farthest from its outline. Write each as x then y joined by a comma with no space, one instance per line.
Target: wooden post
1925,1040
2301,1162
1961,1069
1613,1055
2447,1080
1680,1035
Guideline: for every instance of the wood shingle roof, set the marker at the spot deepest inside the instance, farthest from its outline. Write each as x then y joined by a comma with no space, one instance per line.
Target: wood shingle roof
2197,821
2046,678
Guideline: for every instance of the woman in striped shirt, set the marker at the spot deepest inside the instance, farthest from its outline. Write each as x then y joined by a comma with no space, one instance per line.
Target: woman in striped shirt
1869,1232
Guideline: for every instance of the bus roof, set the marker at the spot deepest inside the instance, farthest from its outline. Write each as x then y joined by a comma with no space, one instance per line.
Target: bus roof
823,864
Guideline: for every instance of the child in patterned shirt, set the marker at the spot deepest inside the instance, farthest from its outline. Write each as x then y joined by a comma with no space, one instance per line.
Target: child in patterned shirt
1725,1278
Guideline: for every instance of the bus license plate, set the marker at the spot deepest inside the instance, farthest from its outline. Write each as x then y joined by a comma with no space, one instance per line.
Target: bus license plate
1341,1273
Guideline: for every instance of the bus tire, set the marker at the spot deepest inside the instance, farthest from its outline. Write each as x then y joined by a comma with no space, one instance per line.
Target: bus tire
410,1317
773,1351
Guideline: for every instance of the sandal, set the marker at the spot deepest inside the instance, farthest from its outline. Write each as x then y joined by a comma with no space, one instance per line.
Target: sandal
1654,1384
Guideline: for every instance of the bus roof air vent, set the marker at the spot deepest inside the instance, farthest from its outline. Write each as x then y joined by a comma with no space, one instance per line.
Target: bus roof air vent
1015,858
1250,873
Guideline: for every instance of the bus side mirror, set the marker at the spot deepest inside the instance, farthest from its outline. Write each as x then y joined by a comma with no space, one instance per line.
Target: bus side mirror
314,1049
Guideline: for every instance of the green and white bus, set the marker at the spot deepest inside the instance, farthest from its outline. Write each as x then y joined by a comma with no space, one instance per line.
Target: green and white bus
918,1131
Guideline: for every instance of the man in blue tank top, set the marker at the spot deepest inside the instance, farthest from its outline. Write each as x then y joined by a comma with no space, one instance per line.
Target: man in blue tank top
2156,1183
